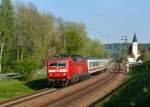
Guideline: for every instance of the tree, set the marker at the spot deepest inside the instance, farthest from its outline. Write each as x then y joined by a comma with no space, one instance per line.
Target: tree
33,33
1,52
6,29
28,36
72,36
85,46
124,54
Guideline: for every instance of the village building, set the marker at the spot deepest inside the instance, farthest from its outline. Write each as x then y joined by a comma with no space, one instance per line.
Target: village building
134,51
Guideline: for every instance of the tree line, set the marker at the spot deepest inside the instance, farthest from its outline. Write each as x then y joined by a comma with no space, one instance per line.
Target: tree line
28,37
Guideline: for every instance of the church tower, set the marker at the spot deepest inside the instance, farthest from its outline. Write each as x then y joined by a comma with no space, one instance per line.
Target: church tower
135,47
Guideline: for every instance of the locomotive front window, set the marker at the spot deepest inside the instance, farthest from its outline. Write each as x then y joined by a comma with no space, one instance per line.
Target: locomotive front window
59,64
53,64
63,64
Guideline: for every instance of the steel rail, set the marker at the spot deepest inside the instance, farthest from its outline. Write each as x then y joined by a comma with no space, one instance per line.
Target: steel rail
70,96
30,96
67,99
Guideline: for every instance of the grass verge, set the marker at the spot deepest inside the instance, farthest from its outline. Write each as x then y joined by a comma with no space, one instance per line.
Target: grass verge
14,88
136,93
11,88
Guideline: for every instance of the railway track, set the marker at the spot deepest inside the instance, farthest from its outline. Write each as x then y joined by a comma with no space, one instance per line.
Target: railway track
27,97
71,98
64,96
67,100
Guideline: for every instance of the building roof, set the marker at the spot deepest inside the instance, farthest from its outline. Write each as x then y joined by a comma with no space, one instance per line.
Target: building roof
134,38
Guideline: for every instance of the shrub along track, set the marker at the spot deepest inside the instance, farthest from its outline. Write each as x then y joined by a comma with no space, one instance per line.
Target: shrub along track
71,95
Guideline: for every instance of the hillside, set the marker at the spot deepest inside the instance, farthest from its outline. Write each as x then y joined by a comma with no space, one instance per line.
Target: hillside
136,92
115,47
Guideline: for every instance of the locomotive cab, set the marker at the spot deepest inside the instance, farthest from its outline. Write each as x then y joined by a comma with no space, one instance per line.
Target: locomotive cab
61,70
57,72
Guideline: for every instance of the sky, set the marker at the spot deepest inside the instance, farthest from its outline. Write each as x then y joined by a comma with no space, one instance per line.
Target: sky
106,20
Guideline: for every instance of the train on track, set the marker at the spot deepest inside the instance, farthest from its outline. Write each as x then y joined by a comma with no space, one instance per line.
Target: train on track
62,71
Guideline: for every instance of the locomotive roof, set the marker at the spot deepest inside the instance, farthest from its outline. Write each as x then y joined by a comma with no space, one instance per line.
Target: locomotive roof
68,58
95,58
75,57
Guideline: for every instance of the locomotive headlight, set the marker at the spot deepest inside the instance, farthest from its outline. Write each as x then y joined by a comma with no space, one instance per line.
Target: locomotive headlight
64,74
51,70
63,70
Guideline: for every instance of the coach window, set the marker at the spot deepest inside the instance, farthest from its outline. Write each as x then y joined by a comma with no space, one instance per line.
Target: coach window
91,64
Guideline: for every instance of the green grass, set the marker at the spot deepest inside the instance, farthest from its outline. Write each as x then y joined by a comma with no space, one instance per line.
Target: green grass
135,93
13,88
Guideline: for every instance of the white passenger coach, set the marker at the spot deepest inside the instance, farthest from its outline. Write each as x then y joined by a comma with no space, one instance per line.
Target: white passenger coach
96,65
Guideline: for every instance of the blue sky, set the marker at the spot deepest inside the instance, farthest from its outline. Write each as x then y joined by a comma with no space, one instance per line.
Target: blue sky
106,20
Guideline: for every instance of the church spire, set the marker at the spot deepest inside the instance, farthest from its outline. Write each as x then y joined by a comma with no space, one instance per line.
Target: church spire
134,38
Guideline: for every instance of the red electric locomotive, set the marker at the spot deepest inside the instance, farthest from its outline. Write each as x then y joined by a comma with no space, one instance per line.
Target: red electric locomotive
61,70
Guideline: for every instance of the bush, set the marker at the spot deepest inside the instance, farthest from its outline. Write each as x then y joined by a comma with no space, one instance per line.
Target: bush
29,67
7,66
6,69
147,56
26,68
17,67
